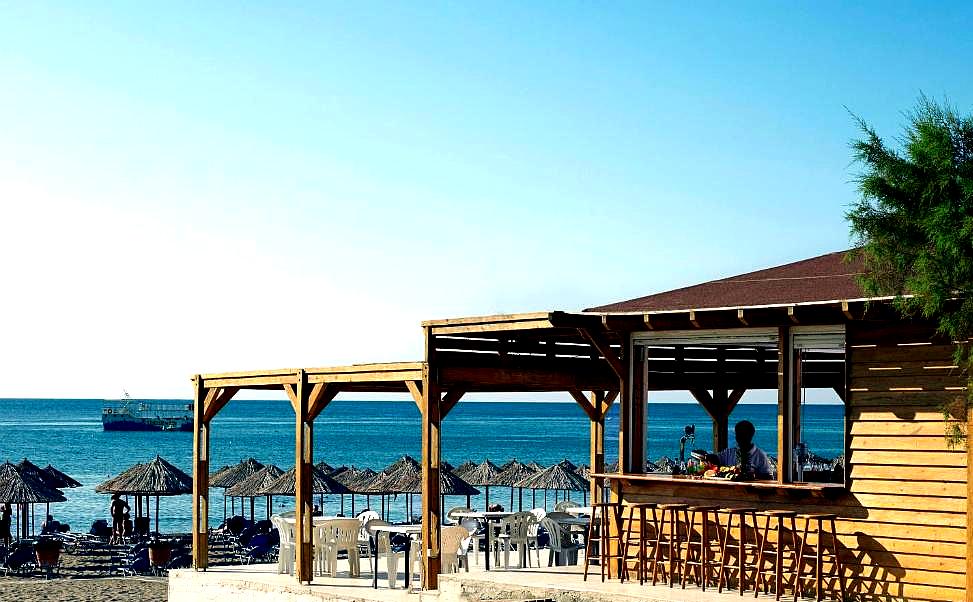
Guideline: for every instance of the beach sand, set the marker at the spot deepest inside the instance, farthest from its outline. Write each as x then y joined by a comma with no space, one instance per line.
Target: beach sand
113,589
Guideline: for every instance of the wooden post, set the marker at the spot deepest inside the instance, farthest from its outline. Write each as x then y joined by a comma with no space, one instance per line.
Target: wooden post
431,424
200,478
597,459
783,405
637,369
721,421
304,498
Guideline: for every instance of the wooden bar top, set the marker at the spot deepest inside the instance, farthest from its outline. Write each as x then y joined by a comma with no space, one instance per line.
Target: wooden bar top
685,480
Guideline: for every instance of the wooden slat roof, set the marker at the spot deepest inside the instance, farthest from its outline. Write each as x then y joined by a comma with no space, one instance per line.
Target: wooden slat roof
379,377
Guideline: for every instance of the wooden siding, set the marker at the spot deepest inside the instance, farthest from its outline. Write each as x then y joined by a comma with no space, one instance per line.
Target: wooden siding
902,521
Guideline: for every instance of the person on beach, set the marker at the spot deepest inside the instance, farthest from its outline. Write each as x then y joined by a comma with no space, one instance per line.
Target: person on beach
5,524
50,526
119,508
751,459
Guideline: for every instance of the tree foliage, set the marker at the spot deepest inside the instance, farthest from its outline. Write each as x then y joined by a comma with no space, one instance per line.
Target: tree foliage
914,221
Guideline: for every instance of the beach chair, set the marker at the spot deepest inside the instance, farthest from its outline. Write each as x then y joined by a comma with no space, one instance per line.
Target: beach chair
515,532
19,559
259,550
454,546
562,548
285,554
344,538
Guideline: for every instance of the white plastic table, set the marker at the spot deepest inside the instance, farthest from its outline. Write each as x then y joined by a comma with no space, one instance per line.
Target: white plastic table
409,531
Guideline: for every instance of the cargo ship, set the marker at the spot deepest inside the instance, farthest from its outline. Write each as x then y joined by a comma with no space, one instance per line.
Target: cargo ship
127,414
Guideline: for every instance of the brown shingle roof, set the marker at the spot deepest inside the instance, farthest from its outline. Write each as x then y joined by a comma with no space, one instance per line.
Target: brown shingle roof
825,278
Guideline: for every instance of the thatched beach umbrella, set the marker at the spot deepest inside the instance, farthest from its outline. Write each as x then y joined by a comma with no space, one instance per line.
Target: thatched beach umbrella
252,487
286,484
464,468
228,476
28,468
355,480
483,474
512,473
62,480
25,490
324,467
556,477
157,477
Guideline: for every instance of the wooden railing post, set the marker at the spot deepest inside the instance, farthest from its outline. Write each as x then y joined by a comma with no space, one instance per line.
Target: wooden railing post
303,516
200,478
431,501
597,459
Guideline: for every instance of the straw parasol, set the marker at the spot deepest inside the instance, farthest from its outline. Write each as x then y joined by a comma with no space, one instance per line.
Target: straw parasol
286,484
512,473
324,467
28,468
355,480
60,478
483,474
228,476
464,468
253,486
556,477
157,477
25,489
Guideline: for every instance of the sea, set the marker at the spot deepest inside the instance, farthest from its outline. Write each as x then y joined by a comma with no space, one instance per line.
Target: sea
68,434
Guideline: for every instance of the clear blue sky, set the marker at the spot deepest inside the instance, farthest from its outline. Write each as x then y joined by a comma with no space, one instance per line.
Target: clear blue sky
170,174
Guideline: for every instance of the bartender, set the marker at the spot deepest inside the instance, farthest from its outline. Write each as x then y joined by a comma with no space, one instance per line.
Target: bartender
750,458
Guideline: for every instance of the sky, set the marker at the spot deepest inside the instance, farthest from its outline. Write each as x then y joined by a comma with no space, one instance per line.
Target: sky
210,187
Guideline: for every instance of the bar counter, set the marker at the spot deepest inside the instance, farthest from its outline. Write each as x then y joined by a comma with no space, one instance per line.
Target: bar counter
826,490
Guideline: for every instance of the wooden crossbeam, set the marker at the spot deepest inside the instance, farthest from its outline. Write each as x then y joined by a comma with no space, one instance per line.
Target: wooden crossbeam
741,318
606,404
585,404
450,400
321,395
211,409
706,400
734,399
292,395
414,389
599,343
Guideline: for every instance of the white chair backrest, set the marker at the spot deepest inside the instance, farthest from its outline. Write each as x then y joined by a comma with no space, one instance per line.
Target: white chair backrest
539,513
345,532
565,504
452,538
284,530
381,537
556,516
454,519
519,525
555,532
367,515
470,524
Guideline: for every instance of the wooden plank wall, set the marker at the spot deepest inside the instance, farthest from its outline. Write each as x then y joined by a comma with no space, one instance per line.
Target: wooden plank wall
902,523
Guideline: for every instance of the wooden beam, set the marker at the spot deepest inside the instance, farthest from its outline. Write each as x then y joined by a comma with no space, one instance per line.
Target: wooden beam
734,399
647,321
846,310
449,401
792,314
636,366
292,395
582,401
200,526
597,447
783,409
610,397
692,319
214,408
413,387
741,318
321,395
599,343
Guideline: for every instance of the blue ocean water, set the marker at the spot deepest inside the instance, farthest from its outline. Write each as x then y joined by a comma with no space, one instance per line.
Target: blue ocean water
68,434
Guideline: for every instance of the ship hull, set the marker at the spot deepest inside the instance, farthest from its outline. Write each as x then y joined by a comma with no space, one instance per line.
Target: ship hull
138,425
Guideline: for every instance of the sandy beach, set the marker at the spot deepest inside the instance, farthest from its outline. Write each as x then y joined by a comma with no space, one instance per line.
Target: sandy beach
95,589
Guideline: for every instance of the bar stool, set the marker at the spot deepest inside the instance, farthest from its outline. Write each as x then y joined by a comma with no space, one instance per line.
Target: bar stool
705,556
823,525
642,515
741,546
600,533
776,519
673,517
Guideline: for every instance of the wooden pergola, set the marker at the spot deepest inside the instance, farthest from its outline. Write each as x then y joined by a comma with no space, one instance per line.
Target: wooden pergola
585,355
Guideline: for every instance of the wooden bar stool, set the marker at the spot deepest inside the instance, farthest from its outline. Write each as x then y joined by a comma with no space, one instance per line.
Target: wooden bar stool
643,528
705,555
672,518
775,520
600,534
823,525
741,547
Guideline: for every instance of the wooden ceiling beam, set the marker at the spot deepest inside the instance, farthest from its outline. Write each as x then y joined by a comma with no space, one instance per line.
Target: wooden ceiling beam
449,401
291,391
415,389
599,342
212,408
585,403
321,395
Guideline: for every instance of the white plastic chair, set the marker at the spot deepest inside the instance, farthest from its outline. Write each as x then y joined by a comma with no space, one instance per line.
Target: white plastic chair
285,554
473,526
561,543
383,546
515,531
453,545
344,536
323,536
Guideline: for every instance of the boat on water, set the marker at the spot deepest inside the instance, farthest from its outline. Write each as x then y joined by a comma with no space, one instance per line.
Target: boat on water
127,414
